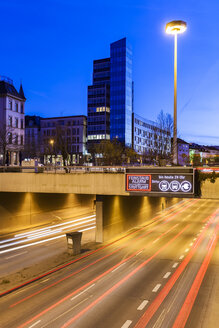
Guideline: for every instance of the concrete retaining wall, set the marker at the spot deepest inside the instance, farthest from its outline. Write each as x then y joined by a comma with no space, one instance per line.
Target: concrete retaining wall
210,190
123,213
23,210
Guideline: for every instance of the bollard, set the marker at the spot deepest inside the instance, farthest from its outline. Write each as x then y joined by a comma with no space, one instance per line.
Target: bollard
74,242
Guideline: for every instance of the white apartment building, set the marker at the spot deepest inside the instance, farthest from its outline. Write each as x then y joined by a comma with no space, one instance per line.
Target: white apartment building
12,122
148,138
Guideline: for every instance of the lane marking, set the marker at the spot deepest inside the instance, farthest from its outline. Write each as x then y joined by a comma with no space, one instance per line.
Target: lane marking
118,267
64,313
156,288
82,292
142,305
155,240
108,292
45,280
193,292
127,324
139,253
10,257
167,275
36,323
187,249
191,244
194,239
181,257
175,265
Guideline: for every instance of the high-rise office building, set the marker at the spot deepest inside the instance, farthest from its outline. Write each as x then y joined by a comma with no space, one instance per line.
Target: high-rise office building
98,112
110,97
121,91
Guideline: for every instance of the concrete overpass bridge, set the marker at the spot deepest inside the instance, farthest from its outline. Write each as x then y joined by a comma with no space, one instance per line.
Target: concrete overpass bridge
110,191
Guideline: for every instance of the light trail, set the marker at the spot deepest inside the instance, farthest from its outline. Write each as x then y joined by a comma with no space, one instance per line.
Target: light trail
40,235
152,309
99,277
35,243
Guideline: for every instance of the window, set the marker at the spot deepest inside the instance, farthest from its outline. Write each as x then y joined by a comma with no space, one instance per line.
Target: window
10,104
22,108
22,124
16,107
22,139
10,138
16,122
9,120
16,139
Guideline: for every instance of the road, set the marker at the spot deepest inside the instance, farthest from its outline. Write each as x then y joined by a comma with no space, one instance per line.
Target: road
25,249
153,276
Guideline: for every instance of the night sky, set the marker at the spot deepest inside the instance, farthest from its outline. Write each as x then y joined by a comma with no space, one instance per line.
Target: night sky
50,45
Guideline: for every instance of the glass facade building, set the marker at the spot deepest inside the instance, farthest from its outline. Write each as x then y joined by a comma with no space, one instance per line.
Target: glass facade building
98,111
121,91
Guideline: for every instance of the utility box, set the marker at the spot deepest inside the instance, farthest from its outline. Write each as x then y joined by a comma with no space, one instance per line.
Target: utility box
74,242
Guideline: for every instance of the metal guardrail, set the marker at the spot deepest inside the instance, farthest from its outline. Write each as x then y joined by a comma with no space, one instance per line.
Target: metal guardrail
88,169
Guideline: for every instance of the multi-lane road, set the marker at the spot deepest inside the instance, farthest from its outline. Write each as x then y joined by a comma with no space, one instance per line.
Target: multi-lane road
25,249
163,274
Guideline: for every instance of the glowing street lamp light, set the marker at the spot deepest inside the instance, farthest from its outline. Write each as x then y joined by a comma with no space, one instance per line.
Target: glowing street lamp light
51,142
175,27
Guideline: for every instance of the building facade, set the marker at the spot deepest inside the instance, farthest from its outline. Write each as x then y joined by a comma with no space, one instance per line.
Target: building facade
98,111
183,152
110,97
12,123
32,136
121,91
64,138
148,138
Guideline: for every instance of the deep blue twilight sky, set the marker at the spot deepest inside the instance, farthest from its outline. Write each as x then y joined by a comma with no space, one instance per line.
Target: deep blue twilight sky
50,46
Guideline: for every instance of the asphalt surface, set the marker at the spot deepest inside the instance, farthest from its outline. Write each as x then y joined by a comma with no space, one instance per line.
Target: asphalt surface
29,247
151,277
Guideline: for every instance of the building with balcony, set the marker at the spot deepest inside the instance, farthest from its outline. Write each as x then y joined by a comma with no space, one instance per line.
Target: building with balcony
12,123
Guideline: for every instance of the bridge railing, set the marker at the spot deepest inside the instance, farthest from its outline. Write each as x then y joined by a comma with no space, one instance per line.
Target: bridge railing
62,169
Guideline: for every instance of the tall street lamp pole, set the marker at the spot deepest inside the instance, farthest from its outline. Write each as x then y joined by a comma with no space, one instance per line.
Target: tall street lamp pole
175,28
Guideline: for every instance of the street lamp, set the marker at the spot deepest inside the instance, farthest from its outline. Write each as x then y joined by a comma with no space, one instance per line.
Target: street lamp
51,141
175,27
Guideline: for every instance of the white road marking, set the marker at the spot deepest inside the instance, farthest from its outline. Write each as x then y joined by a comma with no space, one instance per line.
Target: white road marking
139,253
142,305
127,324
181,257
175,265
156,288
45,280
191,244
84,291
10,257
167,275
155,240
118,267
187,249
36,323
194,239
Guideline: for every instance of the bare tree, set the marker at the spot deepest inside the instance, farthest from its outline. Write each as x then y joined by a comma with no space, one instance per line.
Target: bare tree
165,131
7,141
